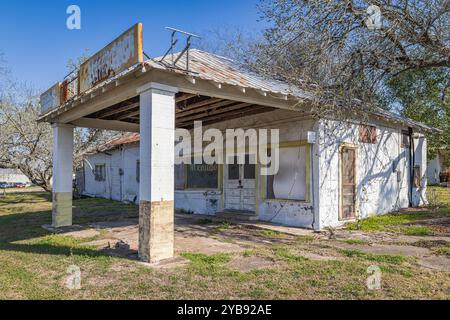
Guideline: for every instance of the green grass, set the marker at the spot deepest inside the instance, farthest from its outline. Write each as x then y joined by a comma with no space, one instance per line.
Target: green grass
204,221
430,244
445,251
439,195
356,242
34,264
417,231
284,253
381,258
401,222
224,226
272,233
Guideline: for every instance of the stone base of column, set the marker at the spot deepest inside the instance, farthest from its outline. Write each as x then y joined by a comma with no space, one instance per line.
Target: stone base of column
156,231
62,209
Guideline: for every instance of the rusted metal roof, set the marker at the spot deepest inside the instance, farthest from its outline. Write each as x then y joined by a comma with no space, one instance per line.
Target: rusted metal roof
125,139
221,70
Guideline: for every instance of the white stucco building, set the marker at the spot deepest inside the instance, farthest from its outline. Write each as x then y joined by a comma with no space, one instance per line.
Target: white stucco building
437,166
339,178
13,176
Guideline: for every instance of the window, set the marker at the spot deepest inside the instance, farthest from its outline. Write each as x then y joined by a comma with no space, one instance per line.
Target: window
367,134
138,171
417,177
290,181
100,172
202,176
233,171
180,180
405,140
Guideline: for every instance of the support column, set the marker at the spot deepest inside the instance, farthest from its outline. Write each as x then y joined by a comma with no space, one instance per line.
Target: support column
156,189
62,175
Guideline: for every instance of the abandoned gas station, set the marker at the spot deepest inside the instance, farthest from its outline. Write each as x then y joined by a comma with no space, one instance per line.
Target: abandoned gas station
369,168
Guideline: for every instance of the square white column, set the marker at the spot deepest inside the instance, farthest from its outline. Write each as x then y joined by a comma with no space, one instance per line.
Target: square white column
156,189
62,175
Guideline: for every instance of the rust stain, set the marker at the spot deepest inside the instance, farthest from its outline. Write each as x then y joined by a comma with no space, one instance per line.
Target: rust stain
122,53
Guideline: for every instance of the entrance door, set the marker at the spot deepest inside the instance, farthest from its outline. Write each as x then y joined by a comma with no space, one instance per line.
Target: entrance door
240,186
348,184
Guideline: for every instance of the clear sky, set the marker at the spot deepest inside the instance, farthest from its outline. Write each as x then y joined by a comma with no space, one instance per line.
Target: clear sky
37,44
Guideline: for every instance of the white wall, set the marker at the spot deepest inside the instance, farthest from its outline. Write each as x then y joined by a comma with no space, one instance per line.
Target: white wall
380,189
434,169
117,187
436,166
293,127
12,175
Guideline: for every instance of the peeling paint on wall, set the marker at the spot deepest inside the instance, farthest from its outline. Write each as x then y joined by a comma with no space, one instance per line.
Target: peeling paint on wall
51,98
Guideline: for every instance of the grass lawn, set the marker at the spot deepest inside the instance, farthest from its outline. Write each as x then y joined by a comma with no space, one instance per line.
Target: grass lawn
34,263
409,224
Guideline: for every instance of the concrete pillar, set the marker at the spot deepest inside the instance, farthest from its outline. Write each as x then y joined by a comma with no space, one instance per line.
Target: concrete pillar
62,175
156,189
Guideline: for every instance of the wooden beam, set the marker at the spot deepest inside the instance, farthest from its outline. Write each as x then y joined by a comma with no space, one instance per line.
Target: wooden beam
118,110
129,115
208,113
207,107
200,104
234,115
226,117
106,125
184,97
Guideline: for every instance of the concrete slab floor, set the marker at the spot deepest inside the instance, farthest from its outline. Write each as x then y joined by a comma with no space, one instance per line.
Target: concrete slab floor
209,236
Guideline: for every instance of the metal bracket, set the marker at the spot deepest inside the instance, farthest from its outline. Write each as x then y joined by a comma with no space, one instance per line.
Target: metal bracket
173,43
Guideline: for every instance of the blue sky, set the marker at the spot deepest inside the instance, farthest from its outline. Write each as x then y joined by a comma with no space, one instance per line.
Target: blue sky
37,45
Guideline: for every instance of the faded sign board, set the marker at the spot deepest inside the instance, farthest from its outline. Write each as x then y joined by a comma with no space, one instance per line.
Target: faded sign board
51,98
119,55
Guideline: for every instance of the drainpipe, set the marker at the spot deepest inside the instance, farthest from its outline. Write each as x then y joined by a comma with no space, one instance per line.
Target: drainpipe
412,160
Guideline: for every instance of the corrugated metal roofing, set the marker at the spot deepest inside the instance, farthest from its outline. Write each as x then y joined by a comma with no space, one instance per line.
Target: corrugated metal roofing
221,70
211,67
125,139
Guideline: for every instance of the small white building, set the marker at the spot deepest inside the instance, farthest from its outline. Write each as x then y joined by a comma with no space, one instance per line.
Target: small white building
437,166
352,171
13,176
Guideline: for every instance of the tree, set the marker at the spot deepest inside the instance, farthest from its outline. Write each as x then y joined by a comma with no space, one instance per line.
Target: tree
423,95
26,144
330,48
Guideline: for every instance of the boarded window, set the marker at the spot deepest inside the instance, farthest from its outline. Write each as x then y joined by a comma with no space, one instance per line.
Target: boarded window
100,172
138,171
202,176
417,177
367,134
405,140
290,181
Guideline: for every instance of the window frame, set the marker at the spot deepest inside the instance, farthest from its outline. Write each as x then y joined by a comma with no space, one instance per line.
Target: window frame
219,180
417,176
368,134
100,172
404,134
287,145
